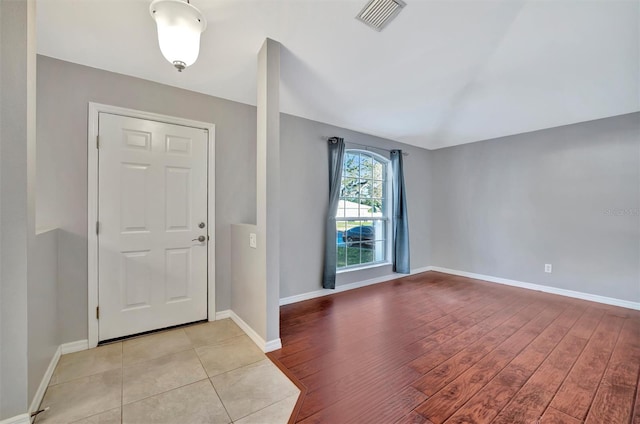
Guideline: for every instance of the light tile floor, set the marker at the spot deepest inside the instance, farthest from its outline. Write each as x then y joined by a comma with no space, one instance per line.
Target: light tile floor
204,373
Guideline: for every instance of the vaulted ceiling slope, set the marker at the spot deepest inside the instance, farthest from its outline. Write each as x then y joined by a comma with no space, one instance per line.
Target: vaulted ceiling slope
442,73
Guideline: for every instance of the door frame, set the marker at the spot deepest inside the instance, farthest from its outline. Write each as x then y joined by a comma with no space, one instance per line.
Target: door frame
92,204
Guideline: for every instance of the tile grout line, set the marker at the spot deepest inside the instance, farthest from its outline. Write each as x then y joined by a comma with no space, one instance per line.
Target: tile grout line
268,362
82,376
166,391
214,387
228,371
191,347
221,402
268,406
100,360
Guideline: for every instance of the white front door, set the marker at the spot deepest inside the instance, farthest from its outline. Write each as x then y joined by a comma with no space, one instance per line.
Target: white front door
152,208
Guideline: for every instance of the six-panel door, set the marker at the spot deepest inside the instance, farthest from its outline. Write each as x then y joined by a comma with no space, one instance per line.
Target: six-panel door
152,205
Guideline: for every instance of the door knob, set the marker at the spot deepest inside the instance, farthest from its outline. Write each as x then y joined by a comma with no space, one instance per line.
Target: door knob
201,239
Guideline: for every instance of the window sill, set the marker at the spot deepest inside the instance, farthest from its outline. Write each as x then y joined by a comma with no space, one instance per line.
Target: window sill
363,267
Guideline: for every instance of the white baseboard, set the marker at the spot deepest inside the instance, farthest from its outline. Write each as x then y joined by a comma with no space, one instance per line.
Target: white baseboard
345,287
46,378
272,345
72,347
18,419
259,341
538,287
546,289
44,383
63,349
223,314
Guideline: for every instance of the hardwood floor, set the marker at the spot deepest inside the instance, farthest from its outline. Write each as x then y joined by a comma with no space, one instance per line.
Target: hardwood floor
435,348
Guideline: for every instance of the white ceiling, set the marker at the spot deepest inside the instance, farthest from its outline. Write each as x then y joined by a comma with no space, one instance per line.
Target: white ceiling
443,73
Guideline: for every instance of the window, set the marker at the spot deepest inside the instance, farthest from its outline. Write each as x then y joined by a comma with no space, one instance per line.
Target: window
362,219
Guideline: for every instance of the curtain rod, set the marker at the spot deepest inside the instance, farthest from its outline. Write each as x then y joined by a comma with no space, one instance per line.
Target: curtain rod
367,146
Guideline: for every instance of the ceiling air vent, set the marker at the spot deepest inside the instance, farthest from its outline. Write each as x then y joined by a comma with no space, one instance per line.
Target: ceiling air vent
378,13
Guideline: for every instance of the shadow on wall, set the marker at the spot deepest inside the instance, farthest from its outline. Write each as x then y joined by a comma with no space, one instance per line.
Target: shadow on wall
296,77
42,319
72,286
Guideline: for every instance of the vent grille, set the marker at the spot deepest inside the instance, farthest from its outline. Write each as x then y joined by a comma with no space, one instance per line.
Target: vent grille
378,13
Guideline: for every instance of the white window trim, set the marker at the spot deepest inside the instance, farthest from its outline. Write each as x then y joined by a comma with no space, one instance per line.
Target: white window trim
370,265
388,260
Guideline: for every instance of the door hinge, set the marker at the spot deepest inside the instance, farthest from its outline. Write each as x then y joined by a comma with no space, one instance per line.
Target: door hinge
97,141
97,227
97,312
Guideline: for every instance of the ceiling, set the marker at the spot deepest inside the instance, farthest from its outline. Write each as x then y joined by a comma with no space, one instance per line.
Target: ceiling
442,73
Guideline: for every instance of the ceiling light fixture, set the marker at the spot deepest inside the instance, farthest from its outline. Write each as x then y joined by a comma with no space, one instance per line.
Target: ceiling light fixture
179,27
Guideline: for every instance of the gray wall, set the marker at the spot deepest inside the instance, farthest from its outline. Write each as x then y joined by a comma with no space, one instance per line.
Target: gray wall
17,216
568,196
304,173
44,334
502,207
248,268
64,91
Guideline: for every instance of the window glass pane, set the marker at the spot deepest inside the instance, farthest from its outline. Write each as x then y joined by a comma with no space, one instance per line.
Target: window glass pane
350,187
353,234
353,254
351,165
366,253
341,253
341,256
340,262
351,208
378,170
366,188
340,213
341,227
379,253
378,189
376,207
366,166
366,209
380,229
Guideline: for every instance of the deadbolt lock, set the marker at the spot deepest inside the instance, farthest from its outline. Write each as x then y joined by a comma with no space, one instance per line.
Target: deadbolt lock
201,225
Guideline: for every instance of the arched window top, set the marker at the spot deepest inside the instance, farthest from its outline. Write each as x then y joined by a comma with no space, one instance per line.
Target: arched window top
363,174
368,153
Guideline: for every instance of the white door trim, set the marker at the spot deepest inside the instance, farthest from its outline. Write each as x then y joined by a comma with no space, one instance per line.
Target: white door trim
92,204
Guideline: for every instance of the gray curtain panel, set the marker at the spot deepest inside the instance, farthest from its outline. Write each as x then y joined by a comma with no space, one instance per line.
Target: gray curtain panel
336,156
400,218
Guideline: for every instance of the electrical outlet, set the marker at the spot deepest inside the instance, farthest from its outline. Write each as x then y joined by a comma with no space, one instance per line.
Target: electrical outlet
253,242
548,268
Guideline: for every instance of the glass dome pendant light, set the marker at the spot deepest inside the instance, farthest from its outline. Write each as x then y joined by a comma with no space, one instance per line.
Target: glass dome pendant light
179,27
